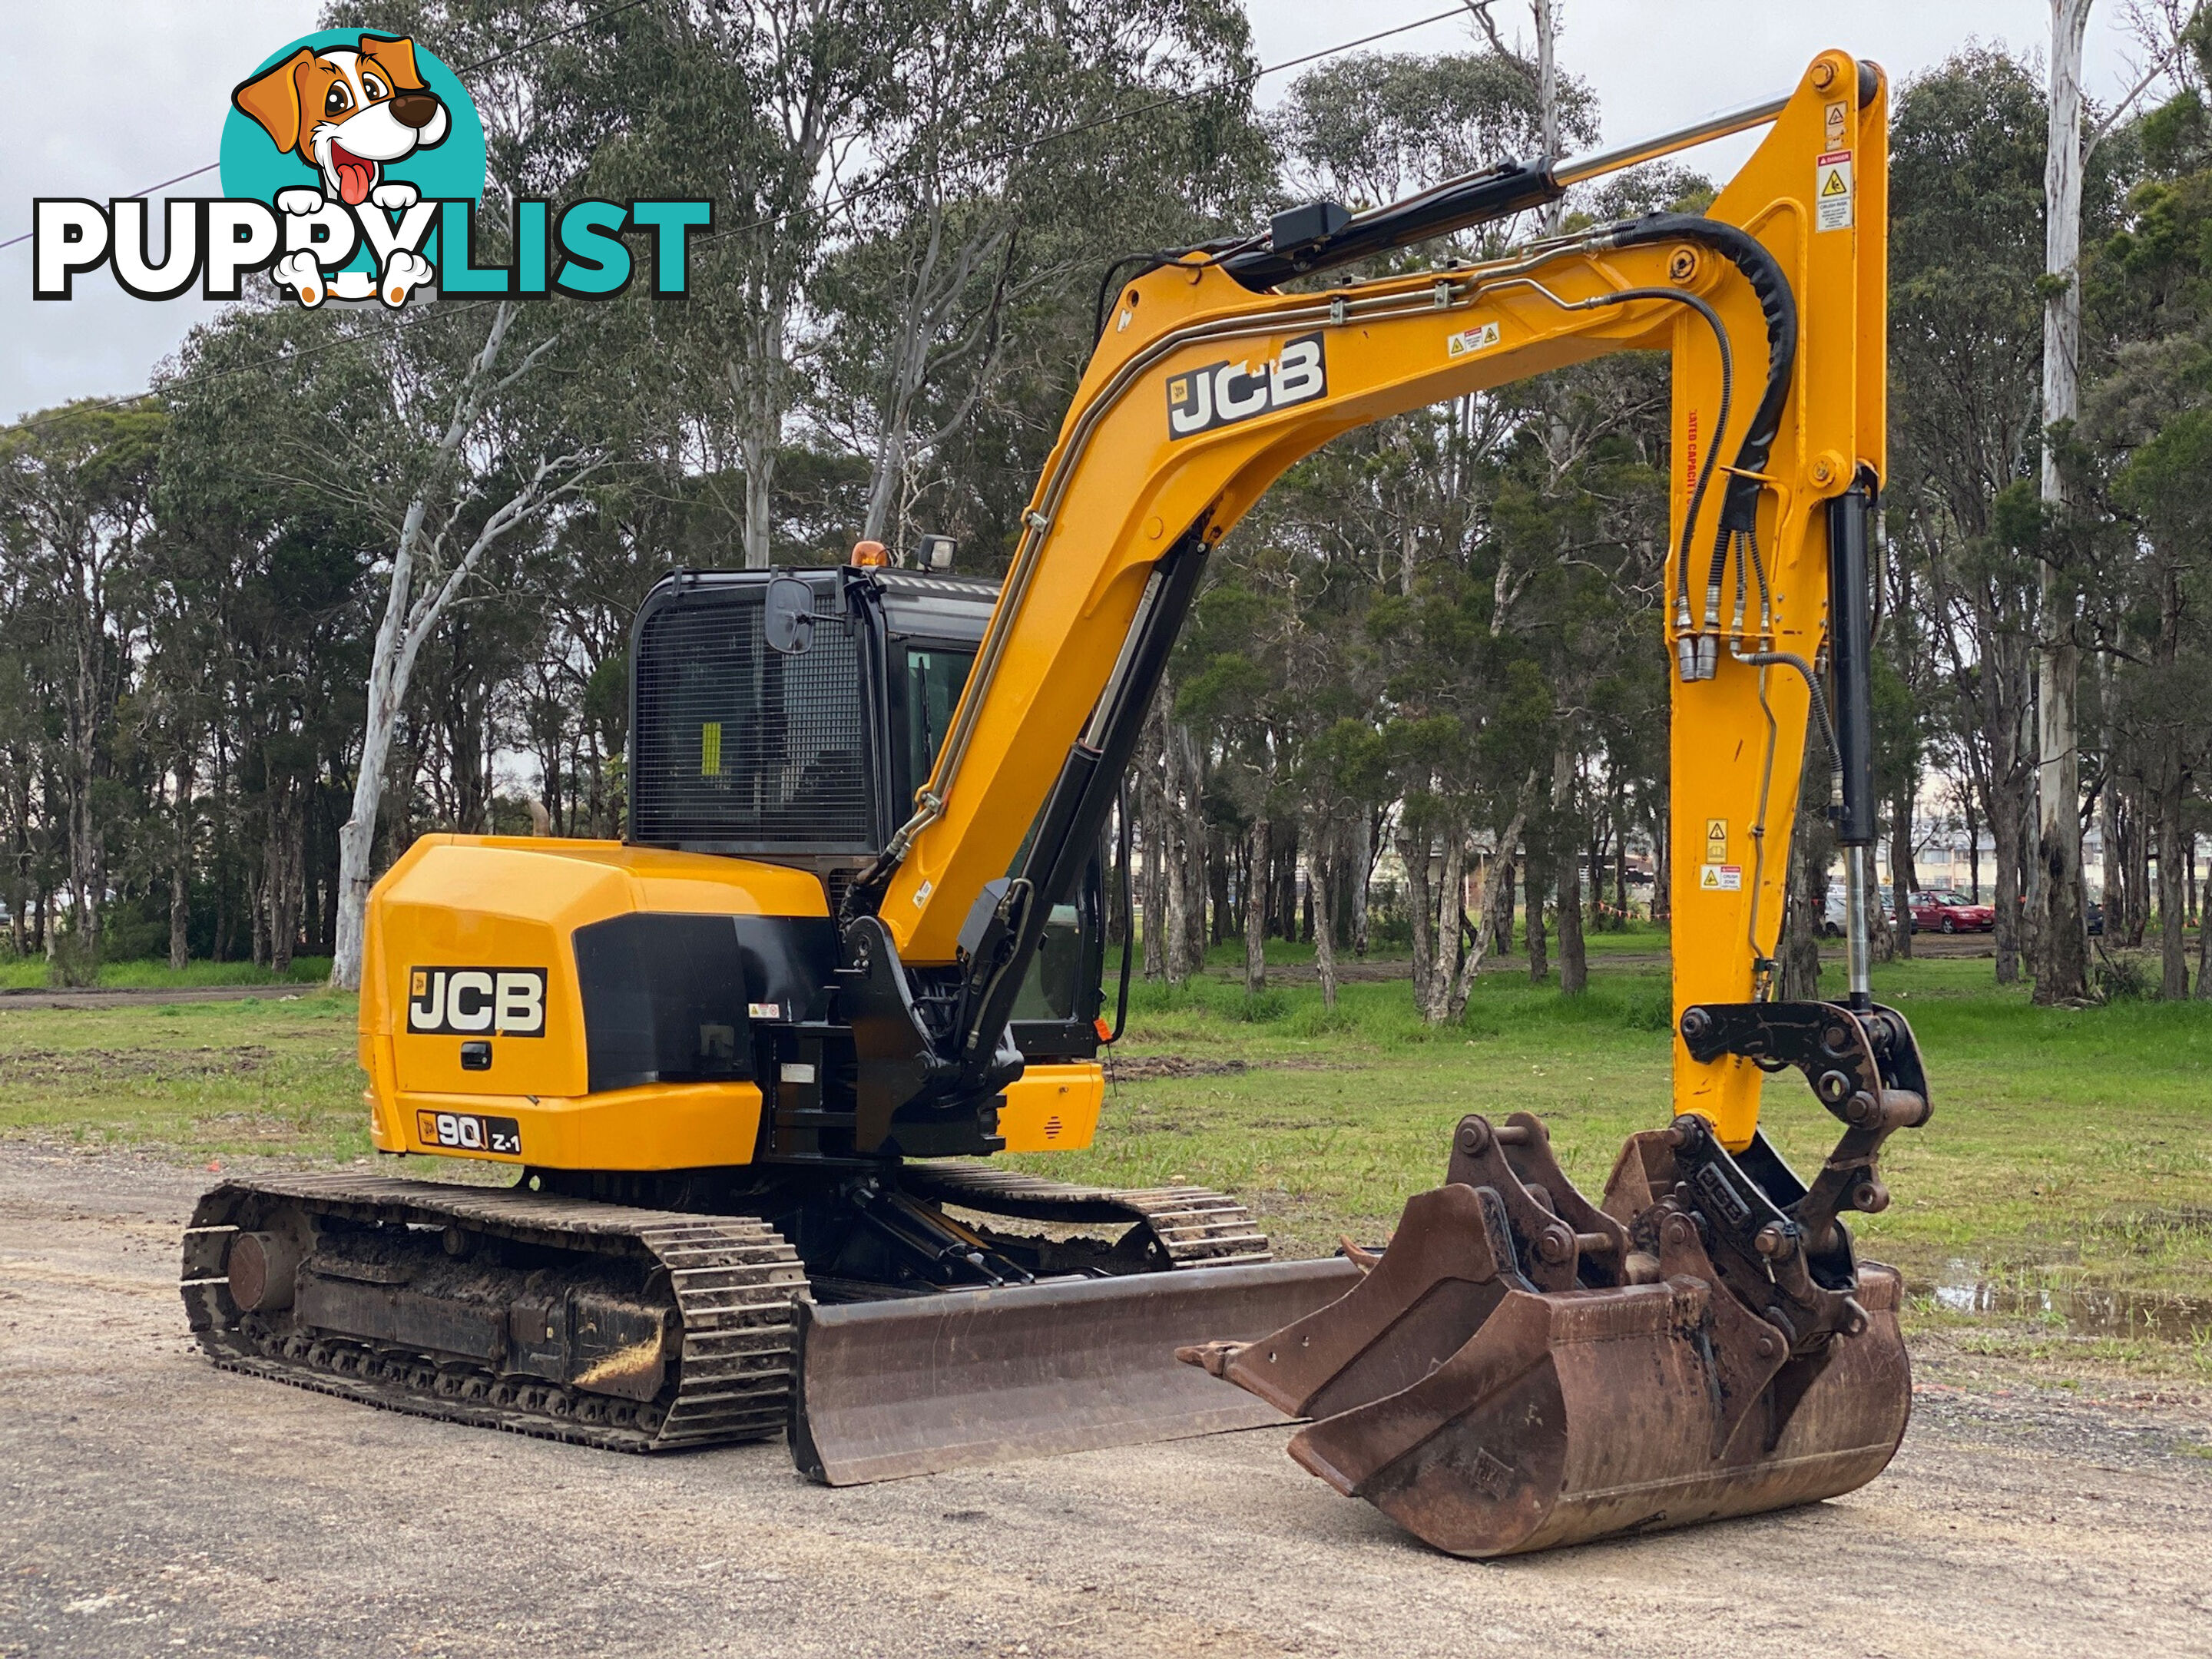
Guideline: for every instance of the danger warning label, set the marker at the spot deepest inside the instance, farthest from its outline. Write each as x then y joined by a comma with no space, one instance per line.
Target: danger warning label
1720,877
1831,191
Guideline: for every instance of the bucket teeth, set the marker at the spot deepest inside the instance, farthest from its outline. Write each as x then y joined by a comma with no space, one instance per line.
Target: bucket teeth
1521,1369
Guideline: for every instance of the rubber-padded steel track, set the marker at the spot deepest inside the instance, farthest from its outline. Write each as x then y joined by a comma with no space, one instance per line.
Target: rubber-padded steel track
731,1280
1194,1226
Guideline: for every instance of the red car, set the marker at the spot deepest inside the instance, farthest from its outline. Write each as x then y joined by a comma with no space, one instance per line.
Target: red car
1951,913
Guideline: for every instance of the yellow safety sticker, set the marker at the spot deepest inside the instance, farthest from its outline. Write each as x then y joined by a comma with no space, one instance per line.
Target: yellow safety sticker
1716,841
1831,191
1835,117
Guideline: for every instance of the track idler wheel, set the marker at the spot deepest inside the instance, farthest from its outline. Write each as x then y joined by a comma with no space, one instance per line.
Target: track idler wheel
1496,1395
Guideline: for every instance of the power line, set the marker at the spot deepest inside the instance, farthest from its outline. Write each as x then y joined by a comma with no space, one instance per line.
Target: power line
860,193
833,201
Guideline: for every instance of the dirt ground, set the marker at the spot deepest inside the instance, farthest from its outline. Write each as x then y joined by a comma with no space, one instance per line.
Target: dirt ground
152,1505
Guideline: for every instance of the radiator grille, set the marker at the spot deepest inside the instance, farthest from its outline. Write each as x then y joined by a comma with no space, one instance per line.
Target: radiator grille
736,742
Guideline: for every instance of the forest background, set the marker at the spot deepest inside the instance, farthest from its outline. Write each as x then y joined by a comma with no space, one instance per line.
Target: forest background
341,579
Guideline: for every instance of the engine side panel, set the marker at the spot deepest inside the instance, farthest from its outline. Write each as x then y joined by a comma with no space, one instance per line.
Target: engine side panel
476,1030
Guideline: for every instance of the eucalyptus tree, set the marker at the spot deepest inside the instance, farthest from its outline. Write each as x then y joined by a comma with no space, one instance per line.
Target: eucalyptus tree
1966,144
2144,452
75,516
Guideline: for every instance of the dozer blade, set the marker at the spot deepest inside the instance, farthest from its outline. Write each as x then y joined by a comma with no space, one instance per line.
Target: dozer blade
919,1384
1490,1417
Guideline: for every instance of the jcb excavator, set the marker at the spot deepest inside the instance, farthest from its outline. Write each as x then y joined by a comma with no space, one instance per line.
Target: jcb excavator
748,1064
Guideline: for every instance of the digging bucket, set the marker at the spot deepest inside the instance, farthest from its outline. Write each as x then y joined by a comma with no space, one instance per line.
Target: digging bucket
1496,1389
919,1384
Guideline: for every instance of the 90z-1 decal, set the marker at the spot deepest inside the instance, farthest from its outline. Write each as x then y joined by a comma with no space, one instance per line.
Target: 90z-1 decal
472,1002
1201,399
468,1133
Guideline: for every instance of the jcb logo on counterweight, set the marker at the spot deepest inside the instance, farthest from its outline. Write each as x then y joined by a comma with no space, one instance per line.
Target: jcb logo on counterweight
1201,399
472,1001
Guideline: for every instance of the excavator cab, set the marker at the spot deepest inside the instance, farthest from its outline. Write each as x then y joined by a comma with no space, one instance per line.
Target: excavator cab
788,716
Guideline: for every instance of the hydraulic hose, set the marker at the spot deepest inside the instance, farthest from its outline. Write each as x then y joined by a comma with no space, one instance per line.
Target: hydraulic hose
1685,644
1740,501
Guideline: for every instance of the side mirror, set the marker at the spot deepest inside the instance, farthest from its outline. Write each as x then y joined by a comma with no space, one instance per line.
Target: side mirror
788,621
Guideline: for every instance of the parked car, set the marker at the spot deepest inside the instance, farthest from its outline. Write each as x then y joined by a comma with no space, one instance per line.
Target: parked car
1948,911
1832,913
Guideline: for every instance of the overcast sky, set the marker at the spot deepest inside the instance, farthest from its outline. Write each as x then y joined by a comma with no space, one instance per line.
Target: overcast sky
1655,64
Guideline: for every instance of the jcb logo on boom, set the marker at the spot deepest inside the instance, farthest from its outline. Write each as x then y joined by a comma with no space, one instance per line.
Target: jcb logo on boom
470,1001
1201,399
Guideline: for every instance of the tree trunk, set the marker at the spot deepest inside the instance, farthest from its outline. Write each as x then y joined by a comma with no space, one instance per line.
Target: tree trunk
1574,968
1321,888
1805,907
1903,879
1420,907
282,882
2006,804
2174,963
1451,911
1547,96
2204,958
180,871
1536,878
1175,855
1152,794
2062,956
1973,846
1257,840
758,385
2138,870
388,688
1497,896
1362,863
1470,962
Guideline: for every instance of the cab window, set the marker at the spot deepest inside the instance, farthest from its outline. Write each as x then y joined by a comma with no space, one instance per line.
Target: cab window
934,676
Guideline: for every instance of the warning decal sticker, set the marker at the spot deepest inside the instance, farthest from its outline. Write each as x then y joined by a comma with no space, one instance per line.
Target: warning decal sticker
1720,877
1481,338
1831,191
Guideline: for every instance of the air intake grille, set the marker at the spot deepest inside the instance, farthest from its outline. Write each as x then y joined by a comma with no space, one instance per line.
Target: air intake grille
736,744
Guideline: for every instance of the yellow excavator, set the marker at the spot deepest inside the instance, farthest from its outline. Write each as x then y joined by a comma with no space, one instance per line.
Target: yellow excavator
750,1065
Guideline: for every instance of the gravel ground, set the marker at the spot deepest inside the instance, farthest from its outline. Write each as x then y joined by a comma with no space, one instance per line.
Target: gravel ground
152,1505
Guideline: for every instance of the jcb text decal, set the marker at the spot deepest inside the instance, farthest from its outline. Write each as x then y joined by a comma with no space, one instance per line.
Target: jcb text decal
472,1001
1200,400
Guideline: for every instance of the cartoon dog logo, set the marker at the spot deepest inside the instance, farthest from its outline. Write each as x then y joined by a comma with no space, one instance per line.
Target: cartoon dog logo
349,114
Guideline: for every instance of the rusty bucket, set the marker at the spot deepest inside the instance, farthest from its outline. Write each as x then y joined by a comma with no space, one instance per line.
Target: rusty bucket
1520,1370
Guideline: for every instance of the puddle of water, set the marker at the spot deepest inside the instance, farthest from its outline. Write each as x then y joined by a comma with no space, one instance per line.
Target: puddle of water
2087,1309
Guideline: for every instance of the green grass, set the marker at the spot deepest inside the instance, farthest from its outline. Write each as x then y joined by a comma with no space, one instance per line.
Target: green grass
2069,1147
31,973
190,1080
